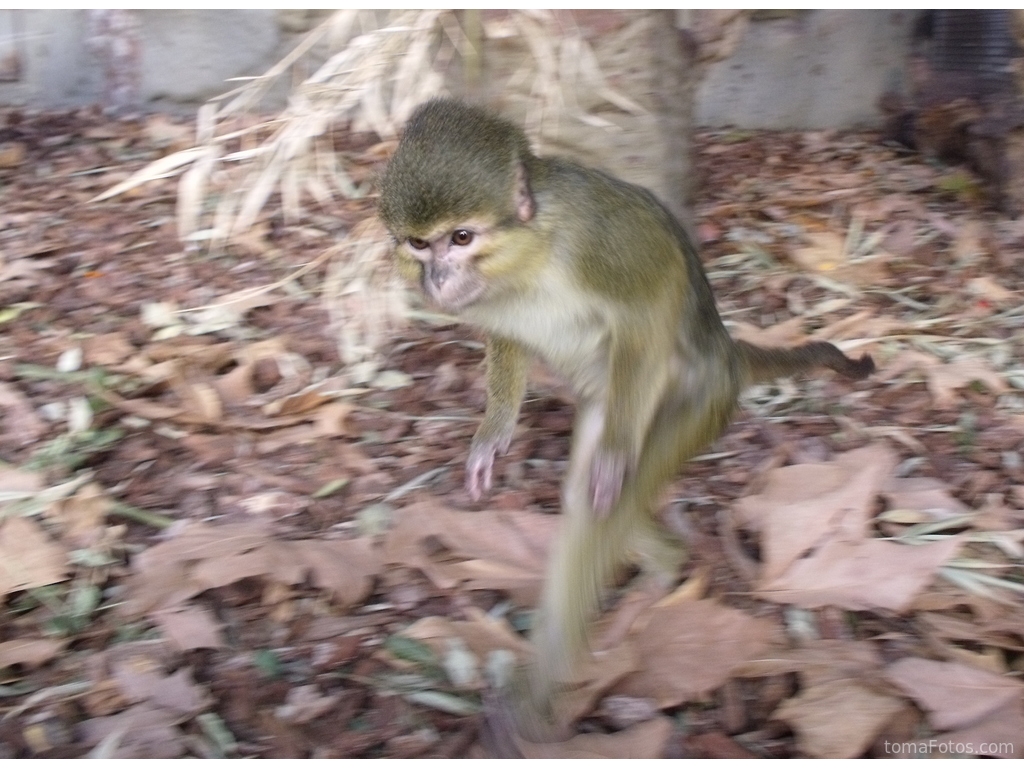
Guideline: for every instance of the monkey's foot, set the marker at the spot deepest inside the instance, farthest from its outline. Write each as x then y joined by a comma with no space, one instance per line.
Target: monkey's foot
510,725
515,717
498,734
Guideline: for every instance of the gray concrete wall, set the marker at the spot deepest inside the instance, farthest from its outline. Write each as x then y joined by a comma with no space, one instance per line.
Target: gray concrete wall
811,70
815,69
185,55
51,65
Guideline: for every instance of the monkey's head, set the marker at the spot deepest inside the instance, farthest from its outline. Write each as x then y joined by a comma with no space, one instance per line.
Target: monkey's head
453,193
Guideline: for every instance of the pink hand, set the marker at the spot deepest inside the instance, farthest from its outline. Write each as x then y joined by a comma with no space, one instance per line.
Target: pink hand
607,473
479,468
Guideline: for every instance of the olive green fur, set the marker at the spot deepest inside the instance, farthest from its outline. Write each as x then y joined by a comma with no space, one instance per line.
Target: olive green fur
507,367
761,364
453,162
606,266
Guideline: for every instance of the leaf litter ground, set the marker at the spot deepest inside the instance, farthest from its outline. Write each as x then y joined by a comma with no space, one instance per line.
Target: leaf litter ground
212,548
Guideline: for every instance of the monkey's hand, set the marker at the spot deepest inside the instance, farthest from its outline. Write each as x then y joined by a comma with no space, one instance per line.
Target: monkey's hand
507,362
607,473
480,466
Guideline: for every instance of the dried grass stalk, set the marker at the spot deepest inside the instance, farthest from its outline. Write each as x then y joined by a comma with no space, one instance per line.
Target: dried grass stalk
367,81
372,82
363,297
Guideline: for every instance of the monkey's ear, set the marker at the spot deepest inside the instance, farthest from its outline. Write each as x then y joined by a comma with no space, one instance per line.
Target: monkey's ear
524,198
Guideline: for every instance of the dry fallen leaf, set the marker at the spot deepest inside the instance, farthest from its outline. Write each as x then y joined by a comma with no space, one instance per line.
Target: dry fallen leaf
108,349
201,401
482,634
144,731
802,504
189,627
344,567
203,556
827,256
236,386
596,676
990,634
837,719
717,746
305,703
164,134
944,380
302,434
1000,734
863,324
954,695
815,536
906,360
83,515
836,714
27,556
928,494
330,420
161,575
646,741
613,628
141,679
29,651
967,246
690,649
143,408
301,402
861,575
987,288
818,661
12,154
19,481
21,423
504,550
785,334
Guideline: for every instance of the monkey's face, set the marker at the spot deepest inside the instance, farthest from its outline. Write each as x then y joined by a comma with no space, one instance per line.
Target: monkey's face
445,264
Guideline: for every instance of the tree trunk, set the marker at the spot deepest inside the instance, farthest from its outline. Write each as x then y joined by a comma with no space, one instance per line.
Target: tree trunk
641,55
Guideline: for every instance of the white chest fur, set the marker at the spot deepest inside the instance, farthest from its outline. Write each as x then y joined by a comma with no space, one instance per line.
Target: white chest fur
569,333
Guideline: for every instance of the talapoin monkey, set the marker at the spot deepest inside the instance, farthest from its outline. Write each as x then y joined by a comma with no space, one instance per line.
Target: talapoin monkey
596,277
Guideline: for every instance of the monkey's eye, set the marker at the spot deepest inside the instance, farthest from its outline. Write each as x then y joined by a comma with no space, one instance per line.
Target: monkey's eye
462,237
418,244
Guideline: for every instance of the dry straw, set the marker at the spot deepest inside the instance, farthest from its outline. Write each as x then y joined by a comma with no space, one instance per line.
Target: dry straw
375,70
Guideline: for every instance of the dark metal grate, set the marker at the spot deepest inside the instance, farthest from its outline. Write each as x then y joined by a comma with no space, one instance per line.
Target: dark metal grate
976,42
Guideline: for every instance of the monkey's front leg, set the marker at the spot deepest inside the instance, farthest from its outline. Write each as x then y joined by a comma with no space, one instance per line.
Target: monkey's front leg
507,364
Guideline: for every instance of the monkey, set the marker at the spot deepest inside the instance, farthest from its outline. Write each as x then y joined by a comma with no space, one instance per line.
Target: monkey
595,276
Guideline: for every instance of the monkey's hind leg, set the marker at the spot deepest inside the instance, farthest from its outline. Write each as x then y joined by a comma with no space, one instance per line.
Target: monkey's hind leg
587,550
682,428
590,549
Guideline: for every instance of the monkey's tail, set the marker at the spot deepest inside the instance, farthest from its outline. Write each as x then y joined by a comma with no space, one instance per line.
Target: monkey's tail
763,364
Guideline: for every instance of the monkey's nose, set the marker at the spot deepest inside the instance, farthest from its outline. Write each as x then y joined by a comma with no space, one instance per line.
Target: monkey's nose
437,273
